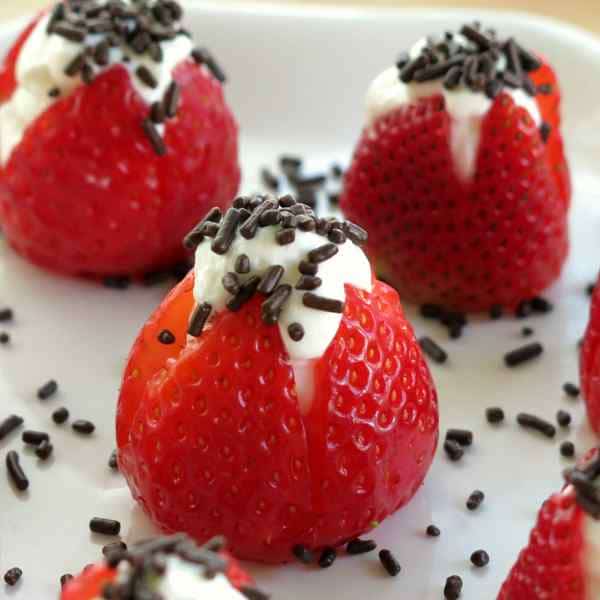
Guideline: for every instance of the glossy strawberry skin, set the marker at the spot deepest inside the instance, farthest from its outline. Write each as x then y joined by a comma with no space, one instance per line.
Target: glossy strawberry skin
84,193
590,363
467,245
551,567
211,437
89,584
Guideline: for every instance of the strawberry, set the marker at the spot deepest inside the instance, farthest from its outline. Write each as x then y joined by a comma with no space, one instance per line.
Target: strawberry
590,363
212,436
94,578
555,564
551,566
467,243
85,191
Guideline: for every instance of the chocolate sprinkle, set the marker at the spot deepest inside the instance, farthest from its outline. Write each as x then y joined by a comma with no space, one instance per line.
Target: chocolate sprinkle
12,576
10,424
536,424
327,558
246,292
453,450
271,280
242,264
34,438
83,427
285,237
308,283
64,579
15,471
571,390
44,450
105,526
296,332
358,546
198,319
523,354
567,449
563,418
271,308
322,253
154,137
389,563
203,57
475,500
113,461
480,558
435,352
464,437
47,390
4,338
321,303
308,268
453,587
494,415
227,231
433,531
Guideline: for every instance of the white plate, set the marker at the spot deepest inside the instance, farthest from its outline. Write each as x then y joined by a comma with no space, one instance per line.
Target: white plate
298,79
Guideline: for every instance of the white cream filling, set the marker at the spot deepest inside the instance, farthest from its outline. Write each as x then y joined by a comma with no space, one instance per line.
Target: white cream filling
183,580
349,266
41,67
466,108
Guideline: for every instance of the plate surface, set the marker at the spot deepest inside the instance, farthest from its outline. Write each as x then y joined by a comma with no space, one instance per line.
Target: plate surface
298,79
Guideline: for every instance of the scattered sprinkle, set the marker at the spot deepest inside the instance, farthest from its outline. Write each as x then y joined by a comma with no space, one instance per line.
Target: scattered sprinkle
480,558
15,471
453,587
4,338
536,424
10,424
60,415
433,350
105,526
34,438
571,390
12,576
113,462
44,450
6,314
389,563
464,437
563,418
494,415
433,531
453,450
475,500
567,449
327,558
47,390
84,427
523,354
358,546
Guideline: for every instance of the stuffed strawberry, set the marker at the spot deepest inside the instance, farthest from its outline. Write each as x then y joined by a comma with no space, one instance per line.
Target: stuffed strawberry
561,560
278,395
169,568
590,363
114,138
460,175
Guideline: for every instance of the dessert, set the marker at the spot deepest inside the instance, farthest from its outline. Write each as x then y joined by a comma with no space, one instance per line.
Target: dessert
115,138
561,560
278,395
590,363
171,568
460,175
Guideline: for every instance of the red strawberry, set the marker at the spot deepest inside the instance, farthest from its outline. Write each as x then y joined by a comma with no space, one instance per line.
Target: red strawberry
590,363
554,565
85,193
498,238
551,567
90,583
211,437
